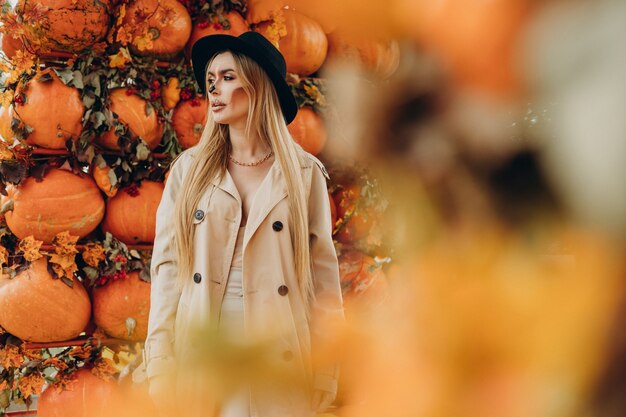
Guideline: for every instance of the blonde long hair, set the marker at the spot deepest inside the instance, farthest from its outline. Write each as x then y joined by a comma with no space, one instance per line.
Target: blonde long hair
265,119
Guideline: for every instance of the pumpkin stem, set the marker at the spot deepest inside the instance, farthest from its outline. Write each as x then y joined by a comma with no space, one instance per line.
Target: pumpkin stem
7,206
131,324
155,33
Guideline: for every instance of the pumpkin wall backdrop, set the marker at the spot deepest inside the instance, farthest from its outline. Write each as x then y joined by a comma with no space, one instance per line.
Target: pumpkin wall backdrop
464,257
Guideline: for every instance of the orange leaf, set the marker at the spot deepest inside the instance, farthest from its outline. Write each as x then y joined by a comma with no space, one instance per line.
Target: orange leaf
30,247
10,357
93,254
31,384
104,369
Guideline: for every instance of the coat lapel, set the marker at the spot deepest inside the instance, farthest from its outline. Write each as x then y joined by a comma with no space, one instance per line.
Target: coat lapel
227,184
271,191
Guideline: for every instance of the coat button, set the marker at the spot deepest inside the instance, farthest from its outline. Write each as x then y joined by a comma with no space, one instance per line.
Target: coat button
197,278
277,226
199,215
283,290
287,355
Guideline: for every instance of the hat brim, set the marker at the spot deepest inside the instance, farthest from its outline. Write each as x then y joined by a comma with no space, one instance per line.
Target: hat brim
205,48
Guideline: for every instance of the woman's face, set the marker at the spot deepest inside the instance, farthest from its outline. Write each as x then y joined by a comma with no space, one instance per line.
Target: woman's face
229,101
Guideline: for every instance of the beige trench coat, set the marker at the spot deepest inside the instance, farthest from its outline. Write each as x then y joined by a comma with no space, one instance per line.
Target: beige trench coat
273,303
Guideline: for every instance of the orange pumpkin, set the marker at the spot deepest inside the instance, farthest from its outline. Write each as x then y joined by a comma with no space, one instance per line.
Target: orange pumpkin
6,114
133,219
381,58
67,25
10,45
62,201
188,122
167,40
53,109
363,281
131,110
237,26
476,41
262,10
121,307
87,395
325,12
308,130
38,308
360,222
305,45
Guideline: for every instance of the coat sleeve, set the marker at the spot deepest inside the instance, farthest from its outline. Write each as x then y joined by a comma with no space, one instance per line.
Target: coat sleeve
164,293
327,308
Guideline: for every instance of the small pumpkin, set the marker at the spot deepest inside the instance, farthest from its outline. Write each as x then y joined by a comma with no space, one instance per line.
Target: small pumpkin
170,93
6,115
308,130
62,201
168,40
305,45
359,220
11,45
53,109
87,395
188,121
324,12
36,307
132,111
132,219
67,25
121,307
380,57
101,176
202,28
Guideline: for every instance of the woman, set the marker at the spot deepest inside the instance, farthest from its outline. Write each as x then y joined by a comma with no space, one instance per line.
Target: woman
243,236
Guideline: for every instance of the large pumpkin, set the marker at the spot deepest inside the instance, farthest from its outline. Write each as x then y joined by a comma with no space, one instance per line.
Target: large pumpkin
167,40
88,395
38,308
67,25
53,109
305,45
121,307
131,110
132,219
380,57
62,201
188,121
308,130
203,28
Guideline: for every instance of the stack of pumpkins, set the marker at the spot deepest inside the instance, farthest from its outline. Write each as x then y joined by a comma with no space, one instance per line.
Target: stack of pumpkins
35,307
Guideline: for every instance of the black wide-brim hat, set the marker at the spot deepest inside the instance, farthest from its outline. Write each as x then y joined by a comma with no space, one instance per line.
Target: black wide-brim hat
257,47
